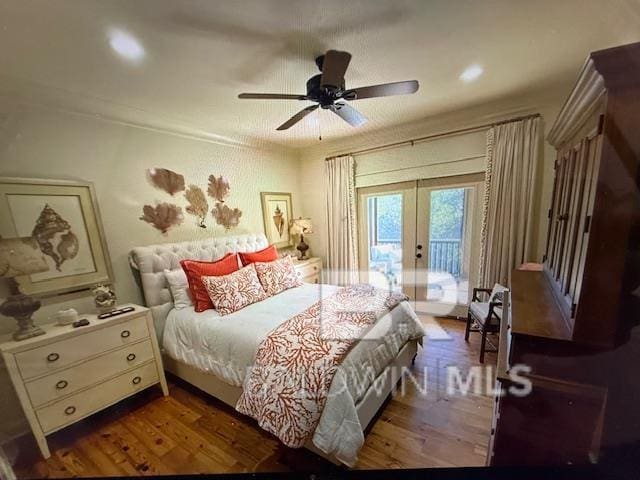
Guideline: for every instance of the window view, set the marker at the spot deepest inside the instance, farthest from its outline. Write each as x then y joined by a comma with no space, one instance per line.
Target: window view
385,240
448,279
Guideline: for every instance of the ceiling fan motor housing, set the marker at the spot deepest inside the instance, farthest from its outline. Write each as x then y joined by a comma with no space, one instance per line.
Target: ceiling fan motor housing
326,95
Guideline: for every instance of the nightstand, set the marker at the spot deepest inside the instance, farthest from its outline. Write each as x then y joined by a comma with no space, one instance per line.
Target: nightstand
309,270
70,373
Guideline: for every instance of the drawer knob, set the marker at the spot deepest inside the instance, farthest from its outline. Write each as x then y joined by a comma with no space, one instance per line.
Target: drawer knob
62,384
70,410
125,333
131,357
52,357
315,267
136,380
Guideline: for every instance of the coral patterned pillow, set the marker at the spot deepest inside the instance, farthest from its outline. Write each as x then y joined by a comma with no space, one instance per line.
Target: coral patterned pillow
230,293
268,254
195,270
277,276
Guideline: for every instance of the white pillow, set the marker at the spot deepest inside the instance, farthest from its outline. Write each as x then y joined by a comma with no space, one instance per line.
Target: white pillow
179,287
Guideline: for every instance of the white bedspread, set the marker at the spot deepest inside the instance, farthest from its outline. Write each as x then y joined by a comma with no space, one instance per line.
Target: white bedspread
226,346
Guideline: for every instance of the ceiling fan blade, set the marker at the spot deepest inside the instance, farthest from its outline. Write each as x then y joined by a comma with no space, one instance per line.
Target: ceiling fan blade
334,66
297,117
349,114
383,90
272,96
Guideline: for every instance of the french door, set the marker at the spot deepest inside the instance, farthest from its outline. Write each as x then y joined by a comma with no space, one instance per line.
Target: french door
422,238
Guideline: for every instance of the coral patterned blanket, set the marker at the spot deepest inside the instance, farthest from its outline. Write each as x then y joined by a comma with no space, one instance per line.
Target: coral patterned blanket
287,387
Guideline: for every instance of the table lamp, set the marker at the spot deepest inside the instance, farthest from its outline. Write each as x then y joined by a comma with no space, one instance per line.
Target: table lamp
21,256
301,226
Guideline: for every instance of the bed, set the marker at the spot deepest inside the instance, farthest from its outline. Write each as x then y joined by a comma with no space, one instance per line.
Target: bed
214,353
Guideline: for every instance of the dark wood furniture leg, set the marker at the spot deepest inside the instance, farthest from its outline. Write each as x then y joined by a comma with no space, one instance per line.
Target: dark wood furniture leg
483,342
468,329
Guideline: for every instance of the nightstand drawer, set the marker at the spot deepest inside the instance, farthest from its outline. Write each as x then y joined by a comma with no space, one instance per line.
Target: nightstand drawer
72,379
75,407
308,270
57,355
312,279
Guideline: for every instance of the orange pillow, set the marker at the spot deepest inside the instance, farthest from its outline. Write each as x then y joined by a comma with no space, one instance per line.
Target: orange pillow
195,270
268,254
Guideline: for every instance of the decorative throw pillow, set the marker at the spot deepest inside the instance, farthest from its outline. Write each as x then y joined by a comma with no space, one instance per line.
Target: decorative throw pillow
268,254
179,287
497,293
230,293
277,276
195,270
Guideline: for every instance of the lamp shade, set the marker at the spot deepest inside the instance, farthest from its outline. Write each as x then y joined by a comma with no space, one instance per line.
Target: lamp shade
301,226
20,256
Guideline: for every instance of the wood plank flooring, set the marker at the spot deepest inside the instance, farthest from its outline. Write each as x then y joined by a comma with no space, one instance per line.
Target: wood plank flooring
191,432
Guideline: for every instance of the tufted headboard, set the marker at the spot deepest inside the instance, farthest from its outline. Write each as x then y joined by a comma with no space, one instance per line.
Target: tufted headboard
152,260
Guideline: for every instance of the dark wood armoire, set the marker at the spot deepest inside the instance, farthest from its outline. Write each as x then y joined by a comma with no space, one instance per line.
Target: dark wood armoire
573,322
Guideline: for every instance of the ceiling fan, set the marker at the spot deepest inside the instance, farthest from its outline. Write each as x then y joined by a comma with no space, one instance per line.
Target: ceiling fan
328,91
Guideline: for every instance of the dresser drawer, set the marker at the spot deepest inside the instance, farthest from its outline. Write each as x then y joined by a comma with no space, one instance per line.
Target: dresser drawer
81,404
69,380
309,270
57,355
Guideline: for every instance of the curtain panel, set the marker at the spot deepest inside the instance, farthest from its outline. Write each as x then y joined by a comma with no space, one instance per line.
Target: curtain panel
513,151
342,244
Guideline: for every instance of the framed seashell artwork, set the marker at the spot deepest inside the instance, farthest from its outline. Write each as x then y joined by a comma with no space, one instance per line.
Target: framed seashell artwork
277,213
63,218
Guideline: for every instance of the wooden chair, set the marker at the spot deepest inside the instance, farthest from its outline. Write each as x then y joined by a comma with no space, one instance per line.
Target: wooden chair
486,315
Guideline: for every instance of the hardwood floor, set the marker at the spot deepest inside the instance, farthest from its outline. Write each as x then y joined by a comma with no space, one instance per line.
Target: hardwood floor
191,432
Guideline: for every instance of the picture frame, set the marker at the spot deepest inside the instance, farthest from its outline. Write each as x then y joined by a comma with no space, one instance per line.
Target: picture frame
277,213
64,218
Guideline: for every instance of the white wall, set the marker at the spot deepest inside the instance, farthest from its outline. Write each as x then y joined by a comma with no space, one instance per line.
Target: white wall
41,143
425,159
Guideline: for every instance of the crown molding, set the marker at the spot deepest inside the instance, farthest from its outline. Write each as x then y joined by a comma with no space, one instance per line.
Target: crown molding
30,96
586,95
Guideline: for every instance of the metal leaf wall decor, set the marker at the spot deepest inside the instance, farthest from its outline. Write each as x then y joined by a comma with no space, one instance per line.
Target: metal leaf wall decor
167,180
227,217
218,188
198,205
162,216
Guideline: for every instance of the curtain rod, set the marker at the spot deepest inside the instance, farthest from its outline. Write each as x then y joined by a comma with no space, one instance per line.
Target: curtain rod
435,135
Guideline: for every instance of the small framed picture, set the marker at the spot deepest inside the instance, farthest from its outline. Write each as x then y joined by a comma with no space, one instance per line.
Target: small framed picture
277,213
62,216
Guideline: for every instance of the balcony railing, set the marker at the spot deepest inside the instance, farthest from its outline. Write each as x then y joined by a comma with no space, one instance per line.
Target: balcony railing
445,255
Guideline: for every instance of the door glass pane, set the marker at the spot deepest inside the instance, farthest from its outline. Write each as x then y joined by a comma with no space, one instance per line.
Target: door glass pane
448,267
384,225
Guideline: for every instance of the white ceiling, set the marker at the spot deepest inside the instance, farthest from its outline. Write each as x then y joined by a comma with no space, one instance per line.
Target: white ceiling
201,54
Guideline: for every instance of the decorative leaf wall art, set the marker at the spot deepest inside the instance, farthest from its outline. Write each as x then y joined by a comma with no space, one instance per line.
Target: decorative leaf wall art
167,180
218,188
227,217
162,216
198,205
